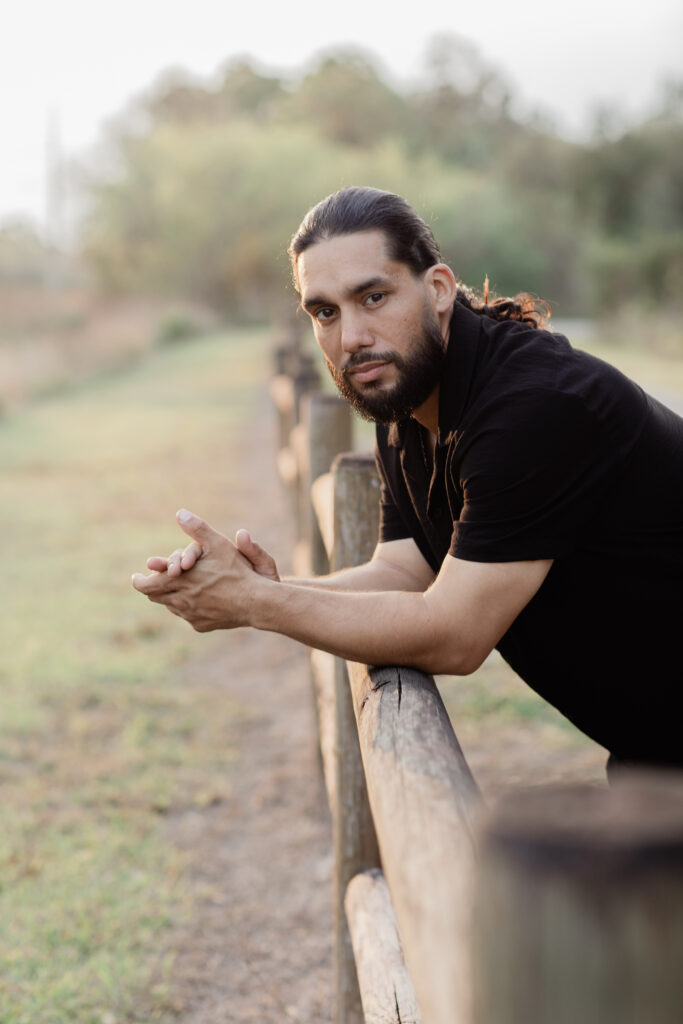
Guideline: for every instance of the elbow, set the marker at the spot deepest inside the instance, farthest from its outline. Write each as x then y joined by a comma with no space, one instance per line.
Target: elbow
468,664
450,647
449,659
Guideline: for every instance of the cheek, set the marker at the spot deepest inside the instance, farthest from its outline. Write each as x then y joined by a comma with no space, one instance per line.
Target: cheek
329,349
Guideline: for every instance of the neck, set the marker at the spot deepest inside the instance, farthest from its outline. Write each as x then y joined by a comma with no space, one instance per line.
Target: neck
427,414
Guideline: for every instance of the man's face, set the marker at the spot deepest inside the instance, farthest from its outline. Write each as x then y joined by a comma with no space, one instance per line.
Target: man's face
375,324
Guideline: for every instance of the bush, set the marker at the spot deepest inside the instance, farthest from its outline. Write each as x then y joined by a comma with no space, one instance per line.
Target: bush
177,327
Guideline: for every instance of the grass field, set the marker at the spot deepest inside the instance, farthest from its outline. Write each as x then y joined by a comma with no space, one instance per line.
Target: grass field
97,741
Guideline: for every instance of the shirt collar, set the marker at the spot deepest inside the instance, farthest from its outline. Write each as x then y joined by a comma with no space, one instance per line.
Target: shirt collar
457,379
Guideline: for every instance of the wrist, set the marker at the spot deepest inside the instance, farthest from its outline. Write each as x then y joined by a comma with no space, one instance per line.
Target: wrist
262,601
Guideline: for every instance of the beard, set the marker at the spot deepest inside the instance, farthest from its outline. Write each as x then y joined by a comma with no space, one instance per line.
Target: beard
419,372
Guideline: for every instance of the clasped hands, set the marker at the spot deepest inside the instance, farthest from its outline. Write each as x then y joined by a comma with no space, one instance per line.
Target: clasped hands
210,583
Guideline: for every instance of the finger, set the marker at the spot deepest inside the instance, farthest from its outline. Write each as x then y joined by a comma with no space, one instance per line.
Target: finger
196,528
173,567
157,564
263,563
141,582
192,553
154,586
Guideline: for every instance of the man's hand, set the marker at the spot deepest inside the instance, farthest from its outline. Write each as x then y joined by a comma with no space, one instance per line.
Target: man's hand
184,559
217,593
261,561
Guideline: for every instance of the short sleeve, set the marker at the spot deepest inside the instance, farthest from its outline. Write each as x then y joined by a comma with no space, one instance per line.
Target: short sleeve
531,477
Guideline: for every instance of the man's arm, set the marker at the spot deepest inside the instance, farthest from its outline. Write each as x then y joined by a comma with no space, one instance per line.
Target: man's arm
395,565
450,627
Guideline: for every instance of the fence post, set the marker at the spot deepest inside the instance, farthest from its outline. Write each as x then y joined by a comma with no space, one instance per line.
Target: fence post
328,428
356,518
425,805
579,915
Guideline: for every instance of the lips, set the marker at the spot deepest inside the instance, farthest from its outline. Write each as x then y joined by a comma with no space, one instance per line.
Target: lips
367,372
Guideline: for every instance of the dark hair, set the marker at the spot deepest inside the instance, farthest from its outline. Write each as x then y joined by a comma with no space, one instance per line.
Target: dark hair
409,240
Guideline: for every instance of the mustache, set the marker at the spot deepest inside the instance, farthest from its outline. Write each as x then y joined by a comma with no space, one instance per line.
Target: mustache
360,358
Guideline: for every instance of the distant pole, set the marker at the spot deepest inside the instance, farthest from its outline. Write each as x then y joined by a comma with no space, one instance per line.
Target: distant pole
54,201
579,915
356,516
328,427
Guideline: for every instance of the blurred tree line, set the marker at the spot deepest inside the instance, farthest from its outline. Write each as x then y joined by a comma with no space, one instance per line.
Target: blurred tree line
204,185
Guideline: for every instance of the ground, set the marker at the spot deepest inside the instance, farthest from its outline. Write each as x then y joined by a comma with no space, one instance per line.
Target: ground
258,946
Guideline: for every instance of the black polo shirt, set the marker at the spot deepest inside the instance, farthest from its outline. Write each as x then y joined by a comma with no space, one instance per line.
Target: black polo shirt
547,452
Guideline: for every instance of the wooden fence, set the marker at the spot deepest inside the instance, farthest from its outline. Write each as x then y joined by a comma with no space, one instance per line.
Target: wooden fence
564,906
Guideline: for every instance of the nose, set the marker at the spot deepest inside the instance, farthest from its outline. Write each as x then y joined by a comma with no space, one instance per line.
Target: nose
354,334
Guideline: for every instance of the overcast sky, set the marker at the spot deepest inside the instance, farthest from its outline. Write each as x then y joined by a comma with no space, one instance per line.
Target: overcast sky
85,59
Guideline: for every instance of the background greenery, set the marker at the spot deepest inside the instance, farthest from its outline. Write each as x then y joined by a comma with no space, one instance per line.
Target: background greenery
201,187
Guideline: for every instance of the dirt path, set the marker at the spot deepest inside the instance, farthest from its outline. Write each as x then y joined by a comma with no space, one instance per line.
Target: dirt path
258,948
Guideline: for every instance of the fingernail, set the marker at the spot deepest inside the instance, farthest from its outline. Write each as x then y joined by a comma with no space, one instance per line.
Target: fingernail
183,516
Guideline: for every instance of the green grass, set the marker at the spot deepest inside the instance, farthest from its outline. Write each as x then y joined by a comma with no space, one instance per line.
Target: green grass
99,735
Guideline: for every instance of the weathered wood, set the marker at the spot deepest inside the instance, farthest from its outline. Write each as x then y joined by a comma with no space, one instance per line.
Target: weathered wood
425,804
300,492
306,379
284,400
322,497
282,392
328,425
356,509
579,915
287,466
282,355
322,670
328,420
298,442
386,989
355,843
356,492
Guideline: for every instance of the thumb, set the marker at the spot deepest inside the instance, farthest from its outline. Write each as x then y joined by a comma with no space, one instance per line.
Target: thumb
196,528
263,563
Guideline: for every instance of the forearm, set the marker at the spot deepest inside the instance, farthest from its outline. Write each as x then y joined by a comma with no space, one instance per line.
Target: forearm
371,576
388,627
406,616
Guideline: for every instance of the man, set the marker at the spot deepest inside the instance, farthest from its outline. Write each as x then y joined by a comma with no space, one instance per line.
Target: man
532,496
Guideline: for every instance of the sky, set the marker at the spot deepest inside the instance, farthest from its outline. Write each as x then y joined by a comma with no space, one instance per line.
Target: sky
67,66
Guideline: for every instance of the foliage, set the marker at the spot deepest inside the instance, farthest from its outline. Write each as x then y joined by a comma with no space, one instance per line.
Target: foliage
23,256
177,326
206,184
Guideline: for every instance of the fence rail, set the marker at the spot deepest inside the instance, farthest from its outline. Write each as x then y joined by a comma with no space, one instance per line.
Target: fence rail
446,913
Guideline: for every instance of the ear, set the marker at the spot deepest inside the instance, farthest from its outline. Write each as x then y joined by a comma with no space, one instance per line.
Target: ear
441,287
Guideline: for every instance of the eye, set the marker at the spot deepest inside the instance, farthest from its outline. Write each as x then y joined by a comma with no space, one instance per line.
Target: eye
323,315
374,298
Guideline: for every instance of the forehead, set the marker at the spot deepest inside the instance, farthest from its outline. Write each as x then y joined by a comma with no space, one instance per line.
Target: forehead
335,265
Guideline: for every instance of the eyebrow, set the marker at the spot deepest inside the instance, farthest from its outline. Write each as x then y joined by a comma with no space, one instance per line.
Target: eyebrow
350,293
